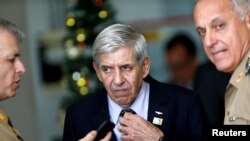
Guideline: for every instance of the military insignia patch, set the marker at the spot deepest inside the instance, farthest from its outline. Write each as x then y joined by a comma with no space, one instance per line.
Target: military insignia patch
3,117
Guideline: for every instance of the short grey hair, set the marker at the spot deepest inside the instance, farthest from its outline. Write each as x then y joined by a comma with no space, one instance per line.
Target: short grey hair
118,36
12,29
241,7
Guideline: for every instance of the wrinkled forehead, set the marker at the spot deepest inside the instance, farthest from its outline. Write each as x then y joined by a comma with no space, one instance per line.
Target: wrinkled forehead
118,52
208,10
8,43
212,5
119,57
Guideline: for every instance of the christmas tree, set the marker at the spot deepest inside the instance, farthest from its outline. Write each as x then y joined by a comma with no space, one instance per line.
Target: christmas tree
85,19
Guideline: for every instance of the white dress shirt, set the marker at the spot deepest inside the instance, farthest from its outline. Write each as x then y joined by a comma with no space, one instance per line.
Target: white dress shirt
140,106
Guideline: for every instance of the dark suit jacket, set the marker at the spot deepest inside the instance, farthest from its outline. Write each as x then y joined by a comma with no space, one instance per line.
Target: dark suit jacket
183,116
210,85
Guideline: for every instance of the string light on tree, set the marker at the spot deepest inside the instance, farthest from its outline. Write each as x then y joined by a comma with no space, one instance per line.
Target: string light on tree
103,14
81,35
73,52
70,22
84,91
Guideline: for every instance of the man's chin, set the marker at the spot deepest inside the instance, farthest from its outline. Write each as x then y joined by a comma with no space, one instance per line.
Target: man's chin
123,101
223,68
124,104
12,94
7,96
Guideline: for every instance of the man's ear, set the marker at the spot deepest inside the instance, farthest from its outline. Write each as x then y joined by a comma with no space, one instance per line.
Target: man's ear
97,71
146,66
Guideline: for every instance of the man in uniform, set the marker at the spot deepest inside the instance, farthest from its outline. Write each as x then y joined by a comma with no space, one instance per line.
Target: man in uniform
224,27
10,74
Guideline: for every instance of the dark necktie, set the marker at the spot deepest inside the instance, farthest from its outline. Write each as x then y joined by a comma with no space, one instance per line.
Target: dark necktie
126,110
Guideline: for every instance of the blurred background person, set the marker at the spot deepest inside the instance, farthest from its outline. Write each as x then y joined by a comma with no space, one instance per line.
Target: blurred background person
210,84
181,59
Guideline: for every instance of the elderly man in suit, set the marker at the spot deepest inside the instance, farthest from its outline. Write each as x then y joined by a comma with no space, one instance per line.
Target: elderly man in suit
160,111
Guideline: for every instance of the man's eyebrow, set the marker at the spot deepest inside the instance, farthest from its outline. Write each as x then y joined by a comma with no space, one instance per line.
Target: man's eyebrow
201,29
216,21
125,65
105,66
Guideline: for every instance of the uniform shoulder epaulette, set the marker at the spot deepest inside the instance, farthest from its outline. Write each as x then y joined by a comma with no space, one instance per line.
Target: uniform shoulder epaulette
3,117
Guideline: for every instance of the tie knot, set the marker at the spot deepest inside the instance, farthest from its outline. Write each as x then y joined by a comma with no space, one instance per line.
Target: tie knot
129,110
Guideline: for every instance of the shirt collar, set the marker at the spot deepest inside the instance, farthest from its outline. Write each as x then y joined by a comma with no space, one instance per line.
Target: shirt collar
239,72
140,105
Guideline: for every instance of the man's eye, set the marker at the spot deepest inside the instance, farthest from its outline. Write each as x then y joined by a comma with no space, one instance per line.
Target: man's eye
12,60
127,68
219,26
106,69
201,32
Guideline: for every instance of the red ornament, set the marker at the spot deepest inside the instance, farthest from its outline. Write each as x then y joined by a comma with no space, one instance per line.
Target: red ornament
82,45
98,3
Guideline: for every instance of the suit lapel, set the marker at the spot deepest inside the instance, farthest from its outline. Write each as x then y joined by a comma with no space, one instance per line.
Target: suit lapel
158,107
158,110
101,111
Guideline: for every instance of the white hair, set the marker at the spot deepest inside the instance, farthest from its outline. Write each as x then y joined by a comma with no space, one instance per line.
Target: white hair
241,7
118,36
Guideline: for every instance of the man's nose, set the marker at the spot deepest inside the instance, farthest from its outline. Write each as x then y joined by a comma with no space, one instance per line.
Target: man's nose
209,40
118,78
20,68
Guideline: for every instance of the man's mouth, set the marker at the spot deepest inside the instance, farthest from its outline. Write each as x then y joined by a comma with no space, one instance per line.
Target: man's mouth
121,92
218,54
17,83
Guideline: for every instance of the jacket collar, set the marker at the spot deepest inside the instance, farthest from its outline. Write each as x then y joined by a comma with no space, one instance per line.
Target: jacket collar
157,104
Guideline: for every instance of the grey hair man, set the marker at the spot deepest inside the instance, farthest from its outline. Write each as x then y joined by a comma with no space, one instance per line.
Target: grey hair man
224,28
140,107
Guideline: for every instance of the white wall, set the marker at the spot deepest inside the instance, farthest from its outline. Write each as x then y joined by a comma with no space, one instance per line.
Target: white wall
38,23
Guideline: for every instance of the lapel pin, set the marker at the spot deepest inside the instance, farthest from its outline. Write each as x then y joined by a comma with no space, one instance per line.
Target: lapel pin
158,112
157,121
